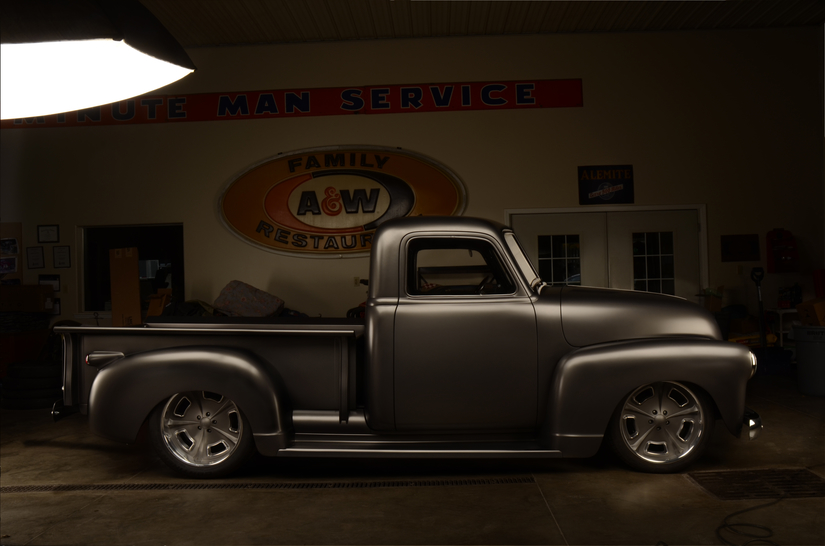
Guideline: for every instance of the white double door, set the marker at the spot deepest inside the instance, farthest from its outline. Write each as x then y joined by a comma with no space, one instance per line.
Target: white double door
654,251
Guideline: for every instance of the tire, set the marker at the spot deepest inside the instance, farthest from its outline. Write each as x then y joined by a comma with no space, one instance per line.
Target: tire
662,427
200,434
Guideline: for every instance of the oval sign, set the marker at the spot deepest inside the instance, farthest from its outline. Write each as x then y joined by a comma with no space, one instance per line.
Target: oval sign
329,201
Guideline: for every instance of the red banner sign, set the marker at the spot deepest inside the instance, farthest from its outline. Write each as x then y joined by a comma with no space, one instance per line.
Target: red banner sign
330,101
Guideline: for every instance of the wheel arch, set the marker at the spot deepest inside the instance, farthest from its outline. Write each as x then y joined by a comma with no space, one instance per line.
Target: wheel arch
588,383
126,390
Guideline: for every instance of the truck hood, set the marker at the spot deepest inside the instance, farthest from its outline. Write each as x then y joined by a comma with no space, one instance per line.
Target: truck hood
598,315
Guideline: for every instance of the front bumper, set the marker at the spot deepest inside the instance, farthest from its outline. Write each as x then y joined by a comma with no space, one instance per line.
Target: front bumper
752,423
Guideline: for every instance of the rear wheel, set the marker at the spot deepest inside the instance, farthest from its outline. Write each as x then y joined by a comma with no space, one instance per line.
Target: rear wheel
200,434
661,427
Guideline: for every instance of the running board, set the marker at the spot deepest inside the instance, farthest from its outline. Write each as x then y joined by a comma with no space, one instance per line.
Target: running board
407,451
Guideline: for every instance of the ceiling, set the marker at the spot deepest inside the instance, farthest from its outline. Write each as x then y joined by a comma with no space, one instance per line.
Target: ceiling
203,23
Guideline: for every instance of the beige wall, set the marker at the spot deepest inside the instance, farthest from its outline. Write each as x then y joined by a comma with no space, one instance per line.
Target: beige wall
729,119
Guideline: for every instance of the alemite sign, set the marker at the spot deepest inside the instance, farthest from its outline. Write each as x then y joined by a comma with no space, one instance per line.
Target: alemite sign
329,201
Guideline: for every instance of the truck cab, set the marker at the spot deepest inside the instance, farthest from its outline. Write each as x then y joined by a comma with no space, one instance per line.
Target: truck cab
457,321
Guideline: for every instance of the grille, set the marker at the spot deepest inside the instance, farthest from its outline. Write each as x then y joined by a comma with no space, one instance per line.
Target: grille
771,483
260,486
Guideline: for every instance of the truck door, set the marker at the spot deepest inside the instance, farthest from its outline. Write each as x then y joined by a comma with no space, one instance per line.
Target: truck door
465,339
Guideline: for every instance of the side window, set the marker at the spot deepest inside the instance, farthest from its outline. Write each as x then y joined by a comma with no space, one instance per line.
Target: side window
456,267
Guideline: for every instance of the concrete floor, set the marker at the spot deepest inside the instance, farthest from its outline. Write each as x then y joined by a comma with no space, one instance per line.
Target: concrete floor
592,501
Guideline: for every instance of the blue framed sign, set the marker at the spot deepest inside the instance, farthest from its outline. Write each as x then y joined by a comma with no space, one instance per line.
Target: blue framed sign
606,185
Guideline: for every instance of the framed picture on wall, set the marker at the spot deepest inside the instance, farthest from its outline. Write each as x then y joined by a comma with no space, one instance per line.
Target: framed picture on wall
9,247
62,257
35,258
8,264
48,234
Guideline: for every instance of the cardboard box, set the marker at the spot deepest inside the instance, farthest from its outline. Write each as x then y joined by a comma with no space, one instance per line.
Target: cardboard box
712,299
123,267
158,302
26,298
713,303
812,312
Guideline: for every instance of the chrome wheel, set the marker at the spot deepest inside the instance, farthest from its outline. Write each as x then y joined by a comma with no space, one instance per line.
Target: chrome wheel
661,427
201,429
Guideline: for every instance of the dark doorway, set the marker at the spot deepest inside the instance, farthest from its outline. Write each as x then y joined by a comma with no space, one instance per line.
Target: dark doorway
160,250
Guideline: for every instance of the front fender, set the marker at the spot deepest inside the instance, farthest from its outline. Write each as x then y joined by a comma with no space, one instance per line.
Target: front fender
589,383
127,389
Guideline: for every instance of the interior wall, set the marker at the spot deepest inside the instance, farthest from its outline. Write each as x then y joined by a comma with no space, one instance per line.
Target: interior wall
730,119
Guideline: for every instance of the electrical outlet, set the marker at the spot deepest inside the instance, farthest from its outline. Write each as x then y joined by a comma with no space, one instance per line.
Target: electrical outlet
356,281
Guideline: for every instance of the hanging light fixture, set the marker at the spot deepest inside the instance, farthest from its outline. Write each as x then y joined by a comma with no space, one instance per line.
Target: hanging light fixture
58,55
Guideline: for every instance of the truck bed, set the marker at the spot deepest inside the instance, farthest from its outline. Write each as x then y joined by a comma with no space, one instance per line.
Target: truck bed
315,357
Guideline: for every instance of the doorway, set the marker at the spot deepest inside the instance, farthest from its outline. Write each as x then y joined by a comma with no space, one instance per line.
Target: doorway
646,249
160,248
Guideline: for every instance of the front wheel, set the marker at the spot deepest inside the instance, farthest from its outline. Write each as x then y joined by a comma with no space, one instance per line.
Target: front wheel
200,434
661,427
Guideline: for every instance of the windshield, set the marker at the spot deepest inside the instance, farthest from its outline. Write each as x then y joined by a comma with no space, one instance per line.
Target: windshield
522,261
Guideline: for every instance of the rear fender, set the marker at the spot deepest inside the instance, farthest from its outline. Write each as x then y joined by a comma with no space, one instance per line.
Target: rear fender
589,383
127,389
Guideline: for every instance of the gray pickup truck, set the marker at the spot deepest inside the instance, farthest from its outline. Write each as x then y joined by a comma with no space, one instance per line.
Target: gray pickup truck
463,352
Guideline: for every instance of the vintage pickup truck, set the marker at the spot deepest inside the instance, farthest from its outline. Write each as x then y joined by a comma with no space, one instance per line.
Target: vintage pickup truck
463,352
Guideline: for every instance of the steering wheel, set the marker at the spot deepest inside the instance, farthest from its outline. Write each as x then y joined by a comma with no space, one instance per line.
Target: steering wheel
484,282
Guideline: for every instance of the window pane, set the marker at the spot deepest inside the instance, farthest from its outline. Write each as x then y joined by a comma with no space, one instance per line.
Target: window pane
572,246
640,285
652,241
559,273
559,259
558,246
653,271
654,286
669,287
545,246
667,267
456,267
639,268
546,270
666,238
638,244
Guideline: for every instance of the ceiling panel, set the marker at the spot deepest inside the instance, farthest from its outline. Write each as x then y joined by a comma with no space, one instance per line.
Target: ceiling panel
534,18
401,19
497,17
198,23
477,18
572,16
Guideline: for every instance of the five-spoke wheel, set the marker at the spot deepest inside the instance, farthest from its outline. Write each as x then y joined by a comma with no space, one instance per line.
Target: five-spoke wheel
200,434
661,427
